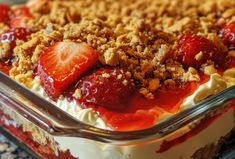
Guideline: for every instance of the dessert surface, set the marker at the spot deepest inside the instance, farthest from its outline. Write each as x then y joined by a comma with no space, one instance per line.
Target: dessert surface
122,66
121,60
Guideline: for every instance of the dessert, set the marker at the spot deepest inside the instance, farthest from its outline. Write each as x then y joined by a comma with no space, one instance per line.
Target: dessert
123,66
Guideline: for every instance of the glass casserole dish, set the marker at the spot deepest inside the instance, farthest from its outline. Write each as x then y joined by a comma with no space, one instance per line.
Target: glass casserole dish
184,132
54,134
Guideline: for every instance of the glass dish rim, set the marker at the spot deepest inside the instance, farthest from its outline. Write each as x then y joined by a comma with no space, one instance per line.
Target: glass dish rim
57,122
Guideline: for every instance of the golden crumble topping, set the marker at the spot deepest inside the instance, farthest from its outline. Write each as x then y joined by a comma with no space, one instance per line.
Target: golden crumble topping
139,35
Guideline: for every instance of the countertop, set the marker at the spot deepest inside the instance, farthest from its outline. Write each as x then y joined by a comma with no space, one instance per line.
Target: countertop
8,150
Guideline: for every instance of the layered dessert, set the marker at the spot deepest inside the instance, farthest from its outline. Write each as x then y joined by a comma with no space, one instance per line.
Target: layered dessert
122,66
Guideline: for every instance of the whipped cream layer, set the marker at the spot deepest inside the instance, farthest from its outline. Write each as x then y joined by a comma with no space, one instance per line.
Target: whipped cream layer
88,149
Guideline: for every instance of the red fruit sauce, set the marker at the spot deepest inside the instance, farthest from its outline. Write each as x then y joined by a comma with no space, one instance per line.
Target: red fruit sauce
5,68
142,113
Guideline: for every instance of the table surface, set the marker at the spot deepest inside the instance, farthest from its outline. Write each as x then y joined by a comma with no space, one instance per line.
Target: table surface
8,150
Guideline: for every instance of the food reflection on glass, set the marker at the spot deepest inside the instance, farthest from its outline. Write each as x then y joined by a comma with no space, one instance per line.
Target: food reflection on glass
122,66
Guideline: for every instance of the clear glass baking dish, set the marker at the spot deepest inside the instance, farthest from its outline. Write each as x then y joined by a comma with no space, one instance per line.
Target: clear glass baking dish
53,133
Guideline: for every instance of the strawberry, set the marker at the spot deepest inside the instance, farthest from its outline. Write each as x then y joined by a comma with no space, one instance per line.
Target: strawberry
5,13
191,45
230,63
22,13
227,33
107,87
62,64
13,34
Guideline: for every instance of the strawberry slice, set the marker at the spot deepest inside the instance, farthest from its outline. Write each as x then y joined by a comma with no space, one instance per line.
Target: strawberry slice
62,64
227,33
196,50
5,13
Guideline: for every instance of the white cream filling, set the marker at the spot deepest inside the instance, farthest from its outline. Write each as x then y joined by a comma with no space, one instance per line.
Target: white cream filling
87,116
87,149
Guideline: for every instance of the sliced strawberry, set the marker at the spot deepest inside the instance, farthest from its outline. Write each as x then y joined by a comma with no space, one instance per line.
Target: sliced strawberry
191,45
13,34
230,63
62,64
227,34
107,87
22,13
5,13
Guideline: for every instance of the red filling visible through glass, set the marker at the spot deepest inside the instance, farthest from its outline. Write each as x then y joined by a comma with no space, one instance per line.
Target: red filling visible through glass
45,151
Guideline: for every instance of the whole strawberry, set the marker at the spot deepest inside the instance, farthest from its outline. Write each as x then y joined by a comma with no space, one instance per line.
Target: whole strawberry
107,87
195,50
227,34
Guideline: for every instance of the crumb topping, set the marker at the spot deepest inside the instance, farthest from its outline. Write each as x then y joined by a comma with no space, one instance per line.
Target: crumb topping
139,35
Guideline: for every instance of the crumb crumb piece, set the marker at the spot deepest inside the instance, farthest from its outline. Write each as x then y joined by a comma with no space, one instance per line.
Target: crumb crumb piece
154,84
119,76
169,83
77,94
161,55
105,75
231,53
111,57
146,93
125,82
199,56
5,51
191,75
210,69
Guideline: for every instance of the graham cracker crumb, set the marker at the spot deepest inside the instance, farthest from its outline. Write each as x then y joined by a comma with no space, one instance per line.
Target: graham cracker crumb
77,94
154,84
210,70
138,35
191,75
106,75
199,56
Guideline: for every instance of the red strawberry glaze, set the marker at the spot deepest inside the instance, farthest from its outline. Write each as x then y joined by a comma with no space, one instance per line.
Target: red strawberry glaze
5,68
142,113
139,112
